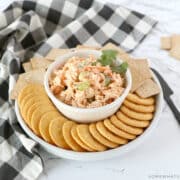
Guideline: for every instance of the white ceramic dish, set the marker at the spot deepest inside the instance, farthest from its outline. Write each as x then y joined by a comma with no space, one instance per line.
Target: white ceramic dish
92,156
84,115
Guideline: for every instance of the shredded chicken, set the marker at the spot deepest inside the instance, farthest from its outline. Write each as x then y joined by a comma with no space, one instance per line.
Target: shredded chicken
83,82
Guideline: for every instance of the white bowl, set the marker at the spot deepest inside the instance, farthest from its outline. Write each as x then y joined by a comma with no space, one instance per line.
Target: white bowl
93,156
84,115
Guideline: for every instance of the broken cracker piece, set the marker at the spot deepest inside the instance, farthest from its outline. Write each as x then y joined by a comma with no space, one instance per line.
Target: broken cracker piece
27,66
166,43
175,53
54,53
139,71
121,53
38,63
175,46
87,47
124,57
114,47
175,41
34,76
148,88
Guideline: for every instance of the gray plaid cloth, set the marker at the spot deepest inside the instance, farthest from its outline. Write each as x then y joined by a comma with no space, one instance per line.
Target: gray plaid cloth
31,28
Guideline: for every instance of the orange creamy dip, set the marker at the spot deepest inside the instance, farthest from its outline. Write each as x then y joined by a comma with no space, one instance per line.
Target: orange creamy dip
84,82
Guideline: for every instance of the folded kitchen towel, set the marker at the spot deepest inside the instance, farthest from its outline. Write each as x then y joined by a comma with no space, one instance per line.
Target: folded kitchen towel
29,28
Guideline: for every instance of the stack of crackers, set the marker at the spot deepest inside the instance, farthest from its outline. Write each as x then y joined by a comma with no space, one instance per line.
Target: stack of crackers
42,117
171,44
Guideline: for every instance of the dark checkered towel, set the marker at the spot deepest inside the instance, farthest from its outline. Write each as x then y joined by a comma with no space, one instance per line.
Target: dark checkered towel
31,28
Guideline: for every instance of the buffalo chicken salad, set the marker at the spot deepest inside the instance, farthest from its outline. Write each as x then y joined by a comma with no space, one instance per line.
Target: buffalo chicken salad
89,82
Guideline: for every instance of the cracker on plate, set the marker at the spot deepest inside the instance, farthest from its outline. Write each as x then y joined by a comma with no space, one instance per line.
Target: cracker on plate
27,66
39,62
34,76
148,88
139,71
114,47
54,53
121,53
80,46
125,57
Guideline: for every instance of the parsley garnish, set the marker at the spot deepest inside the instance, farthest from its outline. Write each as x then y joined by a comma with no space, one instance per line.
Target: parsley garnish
94,63
108,57
121,69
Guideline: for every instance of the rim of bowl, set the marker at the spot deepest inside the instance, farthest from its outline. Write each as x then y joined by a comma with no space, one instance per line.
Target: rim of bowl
70,54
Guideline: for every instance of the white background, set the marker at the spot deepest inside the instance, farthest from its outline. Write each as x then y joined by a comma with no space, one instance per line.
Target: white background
160,154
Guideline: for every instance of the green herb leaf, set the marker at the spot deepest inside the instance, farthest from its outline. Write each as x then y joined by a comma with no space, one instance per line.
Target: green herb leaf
110,52
107,57
94,63
107,80
104,60
121,68
83,86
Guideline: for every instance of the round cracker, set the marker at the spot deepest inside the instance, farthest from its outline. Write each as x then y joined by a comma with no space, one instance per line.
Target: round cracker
118,132
30,111
66,130
78,140
85,136
109,135
129,129
139,108
24,100
136,115
44,123
55,131
42,102
136,99
96,135
35,88
28,101
37,105
36,116
32,101
132,122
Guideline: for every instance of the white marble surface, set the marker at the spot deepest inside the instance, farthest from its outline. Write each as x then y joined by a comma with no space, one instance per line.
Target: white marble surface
159,156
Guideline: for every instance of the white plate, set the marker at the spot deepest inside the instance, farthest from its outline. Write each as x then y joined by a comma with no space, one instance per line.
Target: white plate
91,156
